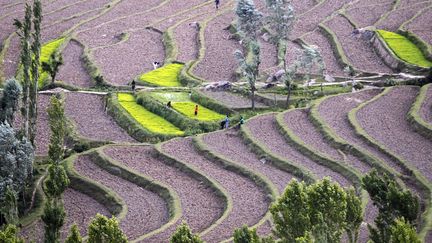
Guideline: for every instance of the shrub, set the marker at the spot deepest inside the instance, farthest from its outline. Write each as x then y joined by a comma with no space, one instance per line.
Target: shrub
404,48
166,76
46,51
147,119
102,229
183,234
74,235
10,235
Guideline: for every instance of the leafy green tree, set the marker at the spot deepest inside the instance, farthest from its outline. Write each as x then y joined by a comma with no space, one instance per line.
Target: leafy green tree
9,101
244,235
10,207
249,23
354,215
16,156
35,63
74,235
54,218
53,65
308,238
102,229
403,232
183,234
57,121
10,235
392,202
23,31
328,206
291,212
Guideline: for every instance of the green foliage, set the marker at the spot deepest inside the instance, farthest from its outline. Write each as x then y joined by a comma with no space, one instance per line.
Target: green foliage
54,218
392,202
52,65
183,234
244,235
74,235
57,121
16,158
147,119
102,229
9,208
10,235
319,209
57,182
280,20
166,76
9,101
404,48
403,232
354,215
181,102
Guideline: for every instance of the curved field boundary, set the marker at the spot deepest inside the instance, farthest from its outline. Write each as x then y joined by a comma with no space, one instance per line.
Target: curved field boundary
196,173
338,166
129,124
147,183
415,117
255,176
297,170
420,180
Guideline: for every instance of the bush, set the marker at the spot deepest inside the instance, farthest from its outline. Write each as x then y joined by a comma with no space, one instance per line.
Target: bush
102,229
183,234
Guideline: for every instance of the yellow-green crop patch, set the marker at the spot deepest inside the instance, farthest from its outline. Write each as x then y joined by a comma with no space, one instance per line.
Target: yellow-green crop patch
166,76
147,119
181,102
404,49
46,51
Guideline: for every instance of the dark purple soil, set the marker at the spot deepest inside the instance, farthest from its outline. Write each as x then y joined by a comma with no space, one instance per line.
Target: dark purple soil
250,203
298,122
358,51
301,6
334,112
200,206
121,63
426,107
229,144
265,131
186,38
219,62
146,211
331,63
231,100
367,13
80,209
43,131
397,17
421,26
73,71
11,59
385,120
87,111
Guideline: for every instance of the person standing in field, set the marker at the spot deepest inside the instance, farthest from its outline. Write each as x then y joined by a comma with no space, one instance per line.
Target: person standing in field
217,2
196,110
226,122
133,85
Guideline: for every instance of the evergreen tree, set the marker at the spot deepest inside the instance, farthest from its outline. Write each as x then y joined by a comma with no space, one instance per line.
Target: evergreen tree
10,207
183,234
392,202
9,101
53,65
74,235
244,235
23,31
249,23
54,218
10,235
36,49
57,182
354,216
57,121
403,232
102,229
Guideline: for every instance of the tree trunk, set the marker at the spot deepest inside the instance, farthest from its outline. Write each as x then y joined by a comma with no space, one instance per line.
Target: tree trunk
253,98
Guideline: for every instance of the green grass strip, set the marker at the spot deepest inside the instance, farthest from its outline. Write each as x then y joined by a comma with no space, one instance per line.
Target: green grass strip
404,48
147,119
417,122
46,51
182,103
166,76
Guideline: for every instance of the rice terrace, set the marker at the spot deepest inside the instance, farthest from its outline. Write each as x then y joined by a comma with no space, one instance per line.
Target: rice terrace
216,121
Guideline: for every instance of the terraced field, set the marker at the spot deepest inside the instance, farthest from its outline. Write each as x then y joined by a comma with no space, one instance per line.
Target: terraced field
220,180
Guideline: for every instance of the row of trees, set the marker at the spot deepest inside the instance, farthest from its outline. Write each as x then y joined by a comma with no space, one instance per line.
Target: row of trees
279,24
